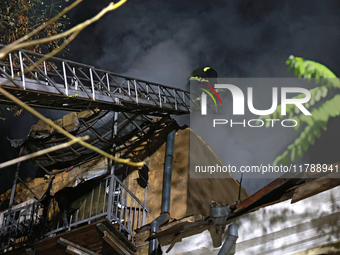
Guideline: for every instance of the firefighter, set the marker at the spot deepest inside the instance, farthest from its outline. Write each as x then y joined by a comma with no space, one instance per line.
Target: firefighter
202,80
206,74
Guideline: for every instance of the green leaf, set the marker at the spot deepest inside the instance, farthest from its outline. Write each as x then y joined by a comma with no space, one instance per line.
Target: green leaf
291,146
298,126
307,118
304,141
277,161
299,151
316,131
285,158
318,95
293,154
311,139
324,91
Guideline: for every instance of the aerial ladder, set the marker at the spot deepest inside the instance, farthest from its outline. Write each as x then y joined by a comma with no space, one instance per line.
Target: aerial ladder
125,109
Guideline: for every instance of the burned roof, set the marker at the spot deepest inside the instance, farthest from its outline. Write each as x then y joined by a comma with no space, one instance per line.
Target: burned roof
132,129
296,186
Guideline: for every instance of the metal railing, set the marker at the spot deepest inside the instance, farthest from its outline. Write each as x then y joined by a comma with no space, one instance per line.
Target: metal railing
120,206
17,224
66,78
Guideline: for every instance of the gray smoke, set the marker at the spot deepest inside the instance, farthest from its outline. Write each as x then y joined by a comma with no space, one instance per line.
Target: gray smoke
163,41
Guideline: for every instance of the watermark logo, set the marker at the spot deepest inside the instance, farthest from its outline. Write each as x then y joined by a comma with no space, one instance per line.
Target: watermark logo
238,100
204,97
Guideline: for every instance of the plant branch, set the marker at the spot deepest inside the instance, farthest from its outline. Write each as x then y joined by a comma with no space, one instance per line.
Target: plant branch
74,32
9,47
52,53
78,27
42,152
64,132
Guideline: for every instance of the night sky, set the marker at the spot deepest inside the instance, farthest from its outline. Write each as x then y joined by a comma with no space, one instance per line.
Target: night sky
163,41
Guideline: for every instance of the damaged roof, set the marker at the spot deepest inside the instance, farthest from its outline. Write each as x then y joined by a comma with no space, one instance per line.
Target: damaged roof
294,186
132,130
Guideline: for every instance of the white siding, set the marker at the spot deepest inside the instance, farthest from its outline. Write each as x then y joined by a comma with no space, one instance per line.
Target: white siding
282,228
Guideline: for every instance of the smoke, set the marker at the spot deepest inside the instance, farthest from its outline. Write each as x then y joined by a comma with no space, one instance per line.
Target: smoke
239,38
163,41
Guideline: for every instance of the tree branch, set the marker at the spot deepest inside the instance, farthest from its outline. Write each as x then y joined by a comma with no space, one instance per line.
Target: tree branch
64,132
42,152
17,44
74,32
41,27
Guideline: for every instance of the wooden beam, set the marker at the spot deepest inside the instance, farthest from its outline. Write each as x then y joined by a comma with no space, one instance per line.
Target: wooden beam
115,244
29,251
67,243
119,237
115,232
313,187
260,194
74,251
171,228
268,194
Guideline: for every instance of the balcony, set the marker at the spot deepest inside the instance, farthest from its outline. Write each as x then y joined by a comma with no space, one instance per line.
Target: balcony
109,200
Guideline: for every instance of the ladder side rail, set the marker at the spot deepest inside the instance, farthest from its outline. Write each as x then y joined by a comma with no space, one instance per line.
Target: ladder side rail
79,79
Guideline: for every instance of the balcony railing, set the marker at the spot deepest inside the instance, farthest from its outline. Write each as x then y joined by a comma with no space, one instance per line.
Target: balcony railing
18,223
111,199
120,206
